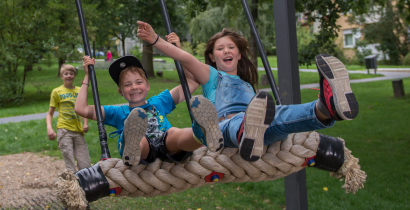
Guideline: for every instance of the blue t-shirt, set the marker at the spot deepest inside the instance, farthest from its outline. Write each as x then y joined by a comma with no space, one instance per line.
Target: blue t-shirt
157,106
209,89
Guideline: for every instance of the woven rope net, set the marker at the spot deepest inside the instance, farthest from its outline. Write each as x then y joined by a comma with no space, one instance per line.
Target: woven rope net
162,178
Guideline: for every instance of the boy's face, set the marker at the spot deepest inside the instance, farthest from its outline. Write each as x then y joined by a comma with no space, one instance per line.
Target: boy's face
67,77
134,89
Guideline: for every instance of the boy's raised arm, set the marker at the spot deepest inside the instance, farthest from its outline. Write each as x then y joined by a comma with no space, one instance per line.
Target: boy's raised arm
198,69
178,94
81,105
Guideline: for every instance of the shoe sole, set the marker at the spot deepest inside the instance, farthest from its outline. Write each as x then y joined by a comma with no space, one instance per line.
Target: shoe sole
134,130
337,76
206,116
259,115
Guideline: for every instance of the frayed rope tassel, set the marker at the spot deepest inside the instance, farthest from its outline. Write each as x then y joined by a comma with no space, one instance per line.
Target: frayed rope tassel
351,172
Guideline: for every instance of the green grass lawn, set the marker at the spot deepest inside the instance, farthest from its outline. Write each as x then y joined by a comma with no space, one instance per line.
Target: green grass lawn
39,85
379,137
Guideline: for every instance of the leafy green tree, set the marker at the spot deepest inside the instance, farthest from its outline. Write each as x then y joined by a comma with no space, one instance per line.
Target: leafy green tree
304,36
403,7
149,11
66,34
30,31
187,46
205,25
326,12
390,31
24,38
120,20
230,14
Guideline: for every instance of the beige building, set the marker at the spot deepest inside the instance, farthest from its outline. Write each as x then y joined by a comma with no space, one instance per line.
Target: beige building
350,35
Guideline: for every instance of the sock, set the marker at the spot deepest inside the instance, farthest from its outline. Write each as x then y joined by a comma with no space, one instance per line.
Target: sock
239,133
323,109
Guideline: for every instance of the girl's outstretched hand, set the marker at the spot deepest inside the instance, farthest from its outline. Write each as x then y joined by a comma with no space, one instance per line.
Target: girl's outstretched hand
173,39
146,32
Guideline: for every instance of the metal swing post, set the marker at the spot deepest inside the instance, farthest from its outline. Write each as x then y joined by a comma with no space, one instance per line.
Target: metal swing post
288,73
289,86
105,153
262,53
180,71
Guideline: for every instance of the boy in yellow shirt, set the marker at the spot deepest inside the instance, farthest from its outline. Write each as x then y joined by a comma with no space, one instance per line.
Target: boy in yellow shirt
70,131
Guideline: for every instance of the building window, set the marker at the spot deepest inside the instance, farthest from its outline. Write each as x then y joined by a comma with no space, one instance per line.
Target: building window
348,40
351,37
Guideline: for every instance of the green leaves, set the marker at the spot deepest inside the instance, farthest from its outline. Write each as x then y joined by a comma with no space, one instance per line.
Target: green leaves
390,30
327,12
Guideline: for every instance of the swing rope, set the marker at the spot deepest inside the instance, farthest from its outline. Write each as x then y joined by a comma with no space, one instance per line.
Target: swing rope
162,178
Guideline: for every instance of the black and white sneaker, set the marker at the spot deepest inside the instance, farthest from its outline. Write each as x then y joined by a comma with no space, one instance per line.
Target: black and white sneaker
206,124
134,130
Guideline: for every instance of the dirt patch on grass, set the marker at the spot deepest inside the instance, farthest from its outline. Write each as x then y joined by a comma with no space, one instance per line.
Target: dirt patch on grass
28,179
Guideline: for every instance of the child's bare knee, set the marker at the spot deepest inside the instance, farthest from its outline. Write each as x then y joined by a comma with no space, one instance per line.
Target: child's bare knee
171,132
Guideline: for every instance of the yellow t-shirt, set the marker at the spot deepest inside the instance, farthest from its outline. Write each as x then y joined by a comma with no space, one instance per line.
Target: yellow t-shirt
64,100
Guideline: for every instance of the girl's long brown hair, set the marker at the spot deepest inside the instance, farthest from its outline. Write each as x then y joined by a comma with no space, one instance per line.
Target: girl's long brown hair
246,70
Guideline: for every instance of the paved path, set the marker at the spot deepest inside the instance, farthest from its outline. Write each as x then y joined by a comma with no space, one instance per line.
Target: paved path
389,74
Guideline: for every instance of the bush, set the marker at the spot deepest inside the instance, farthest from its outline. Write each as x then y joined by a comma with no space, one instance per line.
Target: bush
361,51
75,56
136,52
406,60
9,85
200,49
186,46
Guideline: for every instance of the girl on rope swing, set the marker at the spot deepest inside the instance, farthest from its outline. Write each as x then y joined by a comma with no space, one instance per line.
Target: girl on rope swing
248,121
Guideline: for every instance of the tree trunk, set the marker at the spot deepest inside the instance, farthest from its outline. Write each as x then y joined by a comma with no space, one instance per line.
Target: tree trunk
93,48
147,59
123,47
252,42
61,61
13,71
27,68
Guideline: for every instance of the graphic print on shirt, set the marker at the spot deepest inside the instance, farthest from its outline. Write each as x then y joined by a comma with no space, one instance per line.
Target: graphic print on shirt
153,129
67,101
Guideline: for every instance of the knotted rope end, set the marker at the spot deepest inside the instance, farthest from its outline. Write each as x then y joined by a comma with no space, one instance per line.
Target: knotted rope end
69,191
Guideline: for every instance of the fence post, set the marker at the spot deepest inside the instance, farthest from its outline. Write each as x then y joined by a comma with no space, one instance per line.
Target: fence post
398,88
289,88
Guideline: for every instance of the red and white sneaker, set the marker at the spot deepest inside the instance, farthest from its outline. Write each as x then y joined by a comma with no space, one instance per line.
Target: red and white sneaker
335,93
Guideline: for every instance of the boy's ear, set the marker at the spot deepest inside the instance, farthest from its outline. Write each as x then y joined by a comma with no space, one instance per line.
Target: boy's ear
211,57
120,92
147,86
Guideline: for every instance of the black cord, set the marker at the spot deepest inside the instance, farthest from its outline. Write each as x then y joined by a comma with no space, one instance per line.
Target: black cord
155,40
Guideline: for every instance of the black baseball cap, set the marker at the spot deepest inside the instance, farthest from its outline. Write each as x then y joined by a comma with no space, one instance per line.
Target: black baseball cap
122,63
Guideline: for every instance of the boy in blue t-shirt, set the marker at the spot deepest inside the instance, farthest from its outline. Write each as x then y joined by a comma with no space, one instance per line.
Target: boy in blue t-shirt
143,129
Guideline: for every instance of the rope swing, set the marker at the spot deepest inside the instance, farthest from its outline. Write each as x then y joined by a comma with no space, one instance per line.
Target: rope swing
162,178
